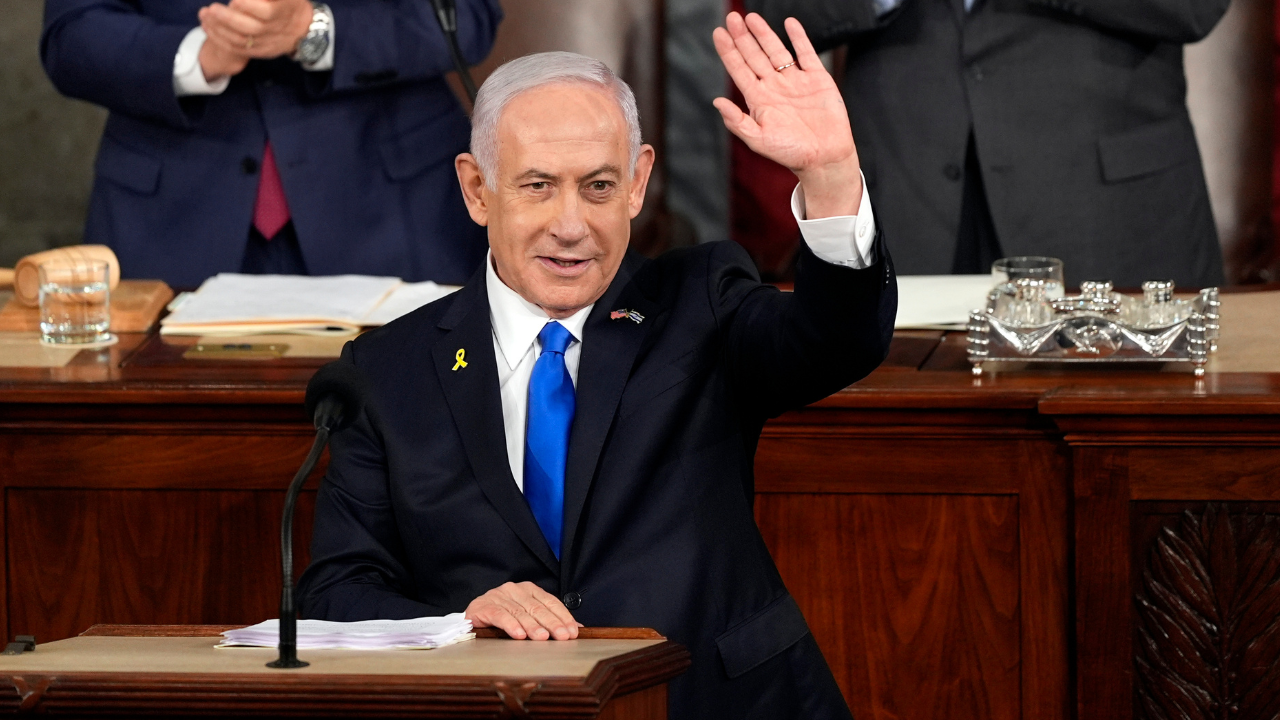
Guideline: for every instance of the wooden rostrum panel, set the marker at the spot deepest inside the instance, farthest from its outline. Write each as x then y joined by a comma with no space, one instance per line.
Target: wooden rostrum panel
1207,611
962,547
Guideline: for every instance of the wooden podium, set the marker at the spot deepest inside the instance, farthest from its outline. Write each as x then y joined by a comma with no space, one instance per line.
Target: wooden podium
175,671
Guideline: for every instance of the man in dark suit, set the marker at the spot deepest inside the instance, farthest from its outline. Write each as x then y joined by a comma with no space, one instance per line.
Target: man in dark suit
273,135
569,438
1027,127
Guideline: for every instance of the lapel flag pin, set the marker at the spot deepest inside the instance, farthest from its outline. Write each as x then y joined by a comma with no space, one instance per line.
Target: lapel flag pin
624,313
461,363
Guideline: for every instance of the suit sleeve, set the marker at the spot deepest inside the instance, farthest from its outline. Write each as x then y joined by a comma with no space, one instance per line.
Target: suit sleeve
356,572
787,349
828,23
110,54
387,41
1180,21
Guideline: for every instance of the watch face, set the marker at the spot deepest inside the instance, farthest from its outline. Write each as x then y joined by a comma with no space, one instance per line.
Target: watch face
312,47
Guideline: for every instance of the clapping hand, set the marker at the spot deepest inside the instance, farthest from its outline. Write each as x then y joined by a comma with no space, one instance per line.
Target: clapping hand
797,117
242,30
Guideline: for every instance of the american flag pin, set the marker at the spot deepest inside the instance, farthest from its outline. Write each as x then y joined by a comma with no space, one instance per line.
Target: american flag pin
625,314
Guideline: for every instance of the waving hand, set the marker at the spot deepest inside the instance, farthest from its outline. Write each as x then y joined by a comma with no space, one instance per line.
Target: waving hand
797,116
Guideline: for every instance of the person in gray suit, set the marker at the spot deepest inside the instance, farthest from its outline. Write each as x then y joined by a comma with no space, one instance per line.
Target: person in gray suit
989,128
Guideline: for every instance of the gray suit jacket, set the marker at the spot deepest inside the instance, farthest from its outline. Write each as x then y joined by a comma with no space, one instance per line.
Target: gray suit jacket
1078,110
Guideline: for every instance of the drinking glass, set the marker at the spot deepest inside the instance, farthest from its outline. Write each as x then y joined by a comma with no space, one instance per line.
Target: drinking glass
1011,269
75,302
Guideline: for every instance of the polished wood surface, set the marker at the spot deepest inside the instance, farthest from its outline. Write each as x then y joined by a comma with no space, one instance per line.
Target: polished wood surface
935,581
962,547
179,674
135,307
145,556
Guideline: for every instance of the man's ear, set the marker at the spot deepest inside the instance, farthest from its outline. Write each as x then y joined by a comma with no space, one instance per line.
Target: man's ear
640,179
472,183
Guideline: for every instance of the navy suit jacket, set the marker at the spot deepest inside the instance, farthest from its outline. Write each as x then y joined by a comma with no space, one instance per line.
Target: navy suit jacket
419,514
364,151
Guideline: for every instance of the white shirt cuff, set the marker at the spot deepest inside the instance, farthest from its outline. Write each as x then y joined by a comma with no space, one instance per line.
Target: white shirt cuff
847,240
188,76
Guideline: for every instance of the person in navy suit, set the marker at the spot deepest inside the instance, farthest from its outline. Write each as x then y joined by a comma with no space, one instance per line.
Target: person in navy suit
569,438
279,136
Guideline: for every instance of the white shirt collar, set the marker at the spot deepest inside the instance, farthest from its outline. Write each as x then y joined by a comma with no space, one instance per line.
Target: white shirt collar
516,321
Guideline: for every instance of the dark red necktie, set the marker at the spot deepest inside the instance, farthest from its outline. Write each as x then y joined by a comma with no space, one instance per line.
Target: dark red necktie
271,211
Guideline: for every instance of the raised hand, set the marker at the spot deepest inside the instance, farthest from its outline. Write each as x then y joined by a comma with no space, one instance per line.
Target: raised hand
797,116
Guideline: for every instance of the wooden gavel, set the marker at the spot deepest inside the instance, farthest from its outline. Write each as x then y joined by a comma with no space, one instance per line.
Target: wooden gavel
25,276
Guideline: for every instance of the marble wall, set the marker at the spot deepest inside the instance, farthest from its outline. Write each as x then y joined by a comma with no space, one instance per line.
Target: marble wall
47,144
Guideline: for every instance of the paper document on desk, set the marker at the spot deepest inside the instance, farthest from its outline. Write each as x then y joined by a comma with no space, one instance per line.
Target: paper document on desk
406,298
417,634
941,302
235,304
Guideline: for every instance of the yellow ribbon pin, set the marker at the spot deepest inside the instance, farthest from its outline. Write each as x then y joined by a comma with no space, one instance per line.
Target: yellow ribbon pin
458,356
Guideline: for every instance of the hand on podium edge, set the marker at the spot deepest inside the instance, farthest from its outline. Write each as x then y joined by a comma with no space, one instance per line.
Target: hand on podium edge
523,611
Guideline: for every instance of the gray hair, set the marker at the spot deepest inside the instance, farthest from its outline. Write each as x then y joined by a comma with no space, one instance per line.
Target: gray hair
535,71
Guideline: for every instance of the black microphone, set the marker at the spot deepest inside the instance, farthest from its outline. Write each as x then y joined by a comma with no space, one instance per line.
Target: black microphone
447,15
335,397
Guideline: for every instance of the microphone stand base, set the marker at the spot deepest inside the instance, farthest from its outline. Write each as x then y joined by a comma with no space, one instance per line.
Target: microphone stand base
284,664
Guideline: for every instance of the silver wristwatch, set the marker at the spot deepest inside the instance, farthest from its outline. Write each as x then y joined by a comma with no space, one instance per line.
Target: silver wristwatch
313,45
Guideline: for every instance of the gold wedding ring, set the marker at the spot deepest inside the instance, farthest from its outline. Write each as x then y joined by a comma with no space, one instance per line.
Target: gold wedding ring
784,67
248,45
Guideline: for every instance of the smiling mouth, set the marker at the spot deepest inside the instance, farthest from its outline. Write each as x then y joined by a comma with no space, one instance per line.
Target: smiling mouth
566,267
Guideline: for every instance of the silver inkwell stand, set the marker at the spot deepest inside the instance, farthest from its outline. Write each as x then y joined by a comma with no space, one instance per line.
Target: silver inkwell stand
1028,319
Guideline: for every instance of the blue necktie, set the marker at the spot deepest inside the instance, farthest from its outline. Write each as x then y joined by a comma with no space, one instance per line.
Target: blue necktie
546,445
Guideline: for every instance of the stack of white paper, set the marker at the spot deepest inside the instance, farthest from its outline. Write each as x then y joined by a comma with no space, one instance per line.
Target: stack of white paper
417,634
406,298
940,301
235,304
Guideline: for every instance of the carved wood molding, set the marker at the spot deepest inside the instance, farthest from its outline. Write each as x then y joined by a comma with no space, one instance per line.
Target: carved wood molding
1208,619
116,694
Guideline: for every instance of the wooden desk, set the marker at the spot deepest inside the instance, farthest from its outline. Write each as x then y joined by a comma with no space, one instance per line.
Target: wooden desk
962,547
175,671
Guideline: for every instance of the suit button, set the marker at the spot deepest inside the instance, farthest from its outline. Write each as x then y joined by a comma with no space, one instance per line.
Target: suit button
268,83
952,171
572,600
977,74
249,166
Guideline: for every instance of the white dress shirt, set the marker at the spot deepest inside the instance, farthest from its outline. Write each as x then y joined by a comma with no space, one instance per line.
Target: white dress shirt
188,76
516,324
846,240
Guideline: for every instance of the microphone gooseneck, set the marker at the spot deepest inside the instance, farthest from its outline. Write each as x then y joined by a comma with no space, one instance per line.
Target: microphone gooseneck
288,605
447,15
334,399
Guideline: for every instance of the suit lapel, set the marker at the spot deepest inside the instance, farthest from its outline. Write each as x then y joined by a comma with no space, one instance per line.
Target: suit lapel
609,350
476,404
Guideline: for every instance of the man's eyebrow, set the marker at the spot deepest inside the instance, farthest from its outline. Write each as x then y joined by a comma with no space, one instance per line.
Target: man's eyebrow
535,173
602,170
532,173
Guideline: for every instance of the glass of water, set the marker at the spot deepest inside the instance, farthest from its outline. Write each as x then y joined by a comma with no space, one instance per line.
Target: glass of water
1011,269
1025,288
75,302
